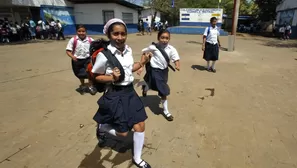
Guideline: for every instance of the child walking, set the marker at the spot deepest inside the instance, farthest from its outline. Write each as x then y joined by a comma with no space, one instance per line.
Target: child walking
78,50
211,44
120,108
156,75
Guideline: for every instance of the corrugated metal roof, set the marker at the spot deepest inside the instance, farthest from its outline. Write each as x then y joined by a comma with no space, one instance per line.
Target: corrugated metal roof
120,2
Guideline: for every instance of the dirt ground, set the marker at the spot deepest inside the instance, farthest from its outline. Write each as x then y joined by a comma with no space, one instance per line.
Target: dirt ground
244,116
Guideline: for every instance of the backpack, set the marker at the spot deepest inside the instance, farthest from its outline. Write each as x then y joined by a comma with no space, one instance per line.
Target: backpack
96,47
75,43
165,55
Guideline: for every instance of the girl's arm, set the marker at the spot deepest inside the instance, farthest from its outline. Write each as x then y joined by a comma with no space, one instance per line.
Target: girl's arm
69,54
104,78
177,65
144,59
137,66
175,58
69,49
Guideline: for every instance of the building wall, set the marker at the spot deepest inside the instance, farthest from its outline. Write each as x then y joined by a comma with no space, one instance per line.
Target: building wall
287,13
287,4
91,15
148,14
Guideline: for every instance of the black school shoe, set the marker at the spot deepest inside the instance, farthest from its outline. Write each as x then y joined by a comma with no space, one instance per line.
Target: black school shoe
146,165
101,137
92,90
211,70
169,117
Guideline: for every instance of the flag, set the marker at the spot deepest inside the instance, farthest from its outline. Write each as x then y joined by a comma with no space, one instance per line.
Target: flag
172,3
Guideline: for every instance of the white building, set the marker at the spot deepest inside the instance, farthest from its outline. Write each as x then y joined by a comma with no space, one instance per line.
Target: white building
287,13
91,13
148,13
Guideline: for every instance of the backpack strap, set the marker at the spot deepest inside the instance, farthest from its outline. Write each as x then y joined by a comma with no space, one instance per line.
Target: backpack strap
90,40
165,55
74,44
114,62
208,31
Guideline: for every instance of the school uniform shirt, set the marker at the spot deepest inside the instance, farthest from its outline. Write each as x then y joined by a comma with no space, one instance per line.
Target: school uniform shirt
82,47
158,60
212,36
102,66
59,26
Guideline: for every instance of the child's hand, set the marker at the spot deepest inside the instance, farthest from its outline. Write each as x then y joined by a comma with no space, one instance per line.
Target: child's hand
177,67
145,58
116,74
74,59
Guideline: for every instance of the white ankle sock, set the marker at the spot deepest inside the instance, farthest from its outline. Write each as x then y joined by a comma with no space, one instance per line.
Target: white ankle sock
208,65
138,139
108,128
213,65
165,107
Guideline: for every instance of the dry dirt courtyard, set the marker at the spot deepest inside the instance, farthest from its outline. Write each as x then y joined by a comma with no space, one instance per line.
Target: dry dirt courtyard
243,116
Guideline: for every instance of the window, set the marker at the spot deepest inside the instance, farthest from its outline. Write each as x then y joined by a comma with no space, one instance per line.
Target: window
107,15
127,17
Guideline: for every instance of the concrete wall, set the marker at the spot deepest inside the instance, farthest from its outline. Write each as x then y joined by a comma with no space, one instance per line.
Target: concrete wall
91,15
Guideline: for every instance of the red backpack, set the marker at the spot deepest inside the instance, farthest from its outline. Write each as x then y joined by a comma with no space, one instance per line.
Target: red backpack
96,47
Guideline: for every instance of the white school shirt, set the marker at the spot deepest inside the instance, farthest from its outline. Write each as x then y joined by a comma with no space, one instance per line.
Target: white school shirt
158,60
82,47
102,66
212,37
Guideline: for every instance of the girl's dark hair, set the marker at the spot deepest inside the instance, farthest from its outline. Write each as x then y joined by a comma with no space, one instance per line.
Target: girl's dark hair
162,32
110,28
213,19
80,26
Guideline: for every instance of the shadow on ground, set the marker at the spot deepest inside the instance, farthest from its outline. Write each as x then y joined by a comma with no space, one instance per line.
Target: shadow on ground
198,67
122,146
281,44
95,159
194,42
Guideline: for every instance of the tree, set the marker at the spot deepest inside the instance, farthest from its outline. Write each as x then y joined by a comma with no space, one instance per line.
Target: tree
267,9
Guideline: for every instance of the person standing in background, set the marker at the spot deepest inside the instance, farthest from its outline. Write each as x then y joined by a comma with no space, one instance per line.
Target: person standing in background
148,27
32,26
211,44
60,30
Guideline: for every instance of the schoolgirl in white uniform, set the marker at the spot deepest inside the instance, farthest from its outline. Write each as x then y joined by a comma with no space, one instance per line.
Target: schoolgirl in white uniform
78,50
120,108
211,44
157,70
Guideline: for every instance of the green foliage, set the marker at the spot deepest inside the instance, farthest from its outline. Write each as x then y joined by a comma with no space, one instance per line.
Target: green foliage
247,7
267,9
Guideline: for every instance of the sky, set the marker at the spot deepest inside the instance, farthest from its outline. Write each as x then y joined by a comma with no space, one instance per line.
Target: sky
138,2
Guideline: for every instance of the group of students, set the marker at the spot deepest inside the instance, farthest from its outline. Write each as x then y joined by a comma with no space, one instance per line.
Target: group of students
285,31
120,107
29,30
